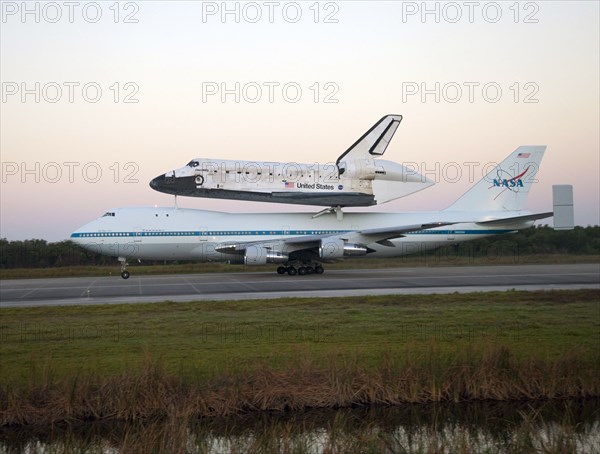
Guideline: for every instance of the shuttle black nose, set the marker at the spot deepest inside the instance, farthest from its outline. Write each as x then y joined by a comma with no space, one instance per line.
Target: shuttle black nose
163,183
169,184
158,182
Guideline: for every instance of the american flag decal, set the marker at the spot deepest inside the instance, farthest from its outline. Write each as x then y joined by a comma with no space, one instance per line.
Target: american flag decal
290,185
523,155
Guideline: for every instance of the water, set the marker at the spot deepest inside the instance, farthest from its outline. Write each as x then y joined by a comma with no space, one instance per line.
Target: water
486,427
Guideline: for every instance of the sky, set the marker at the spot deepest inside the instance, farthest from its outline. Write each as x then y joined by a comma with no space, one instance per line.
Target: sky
98,98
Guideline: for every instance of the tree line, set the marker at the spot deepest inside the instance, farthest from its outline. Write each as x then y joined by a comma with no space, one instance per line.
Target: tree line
535,240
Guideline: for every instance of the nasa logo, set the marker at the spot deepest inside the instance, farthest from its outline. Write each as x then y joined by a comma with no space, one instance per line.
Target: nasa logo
503,180
340,187
508,183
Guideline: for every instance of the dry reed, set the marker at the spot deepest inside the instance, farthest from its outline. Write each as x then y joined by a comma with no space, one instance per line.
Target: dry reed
151,391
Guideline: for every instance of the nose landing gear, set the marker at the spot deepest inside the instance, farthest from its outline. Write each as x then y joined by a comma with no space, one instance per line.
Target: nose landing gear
124,273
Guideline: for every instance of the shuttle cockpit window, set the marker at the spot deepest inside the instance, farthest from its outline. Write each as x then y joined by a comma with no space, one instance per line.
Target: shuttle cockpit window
193,163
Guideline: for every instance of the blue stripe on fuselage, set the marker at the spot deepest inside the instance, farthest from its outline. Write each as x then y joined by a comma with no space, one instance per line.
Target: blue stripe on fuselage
187,233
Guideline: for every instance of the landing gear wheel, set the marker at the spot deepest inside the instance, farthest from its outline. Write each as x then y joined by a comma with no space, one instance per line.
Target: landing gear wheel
302,271
310,270
124,272
292,271
319,269
281,270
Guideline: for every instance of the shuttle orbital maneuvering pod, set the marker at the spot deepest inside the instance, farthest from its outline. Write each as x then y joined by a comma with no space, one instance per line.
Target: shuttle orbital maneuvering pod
357,178
300,243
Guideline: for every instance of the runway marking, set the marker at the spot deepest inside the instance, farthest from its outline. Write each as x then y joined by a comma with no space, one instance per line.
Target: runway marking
299,279
30,292
192,285
290,294
247,285
296,282
215,286
87,290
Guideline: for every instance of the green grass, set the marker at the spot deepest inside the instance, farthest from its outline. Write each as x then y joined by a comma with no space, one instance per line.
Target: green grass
200,268
198,339
217,358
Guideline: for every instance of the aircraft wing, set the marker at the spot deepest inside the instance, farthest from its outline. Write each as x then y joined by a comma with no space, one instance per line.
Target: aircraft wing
304,242
367,236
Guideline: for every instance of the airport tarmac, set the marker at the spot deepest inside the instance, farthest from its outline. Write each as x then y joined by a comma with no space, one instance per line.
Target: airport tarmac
253,285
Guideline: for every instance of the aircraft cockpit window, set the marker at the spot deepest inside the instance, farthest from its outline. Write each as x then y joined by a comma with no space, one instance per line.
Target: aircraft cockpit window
193,163
108,213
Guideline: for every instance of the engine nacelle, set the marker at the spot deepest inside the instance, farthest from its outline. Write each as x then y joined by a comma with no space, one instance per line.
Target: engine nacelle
258,255
336,249
354,250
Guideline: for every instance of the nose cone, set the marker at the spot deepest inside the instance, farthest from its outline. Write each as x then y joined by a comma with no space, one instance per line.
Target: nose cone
158,182
169,183
76,236
164,183
82,237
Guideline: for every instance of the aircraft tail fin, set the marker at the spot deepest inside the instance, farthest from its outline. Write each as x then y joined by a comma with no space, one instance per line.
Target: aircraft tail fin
506,186
374,142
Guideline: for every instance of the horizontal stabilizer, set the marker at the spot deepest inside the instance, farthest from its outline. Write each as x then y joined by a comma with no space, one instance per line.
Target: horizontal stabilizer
517,219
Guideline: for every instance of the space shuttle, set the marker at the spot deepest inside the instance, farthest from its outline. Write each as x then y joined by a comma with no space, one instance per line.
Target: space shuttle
359,177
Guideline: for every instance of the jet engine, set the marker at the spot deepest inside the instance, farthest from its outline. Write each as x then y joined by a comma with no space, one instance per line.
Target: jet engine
258,255
336,248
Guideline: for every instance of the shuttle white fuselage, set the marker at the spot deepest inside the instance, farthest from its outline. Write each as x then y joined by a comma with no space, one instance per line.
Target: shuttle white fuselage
357,178
361,183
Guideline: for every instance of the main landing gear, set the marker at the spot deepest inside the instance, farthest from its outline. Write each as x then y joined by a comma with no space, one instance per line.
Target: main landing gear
302,270
124,273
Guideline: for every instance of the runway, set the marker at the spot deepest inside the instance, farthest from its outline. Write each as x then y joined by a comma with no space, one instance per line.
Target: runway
251,285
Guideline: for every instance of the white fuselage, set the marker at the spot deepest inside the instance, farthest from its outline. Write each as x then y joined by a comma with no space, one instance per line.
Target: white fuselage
353,182
190,234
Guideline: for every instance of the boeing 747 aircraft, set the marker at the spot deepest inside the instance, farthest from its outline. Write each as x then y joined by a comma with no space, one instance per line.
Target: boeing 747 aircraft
358,178
301,242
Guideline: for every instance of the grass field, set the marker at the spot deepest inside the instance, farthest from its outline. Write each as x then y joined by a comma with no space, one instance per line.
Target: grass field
434,259
228,357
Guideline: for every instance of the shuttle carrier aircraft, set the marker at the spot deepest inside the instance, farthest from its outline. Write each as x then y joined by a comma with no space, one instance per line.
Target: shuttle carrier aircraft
357,178
300,242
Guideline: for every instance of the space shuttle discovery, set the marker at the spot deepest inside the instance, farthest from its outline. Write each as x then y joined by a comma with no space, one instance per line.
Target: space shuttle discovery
358,177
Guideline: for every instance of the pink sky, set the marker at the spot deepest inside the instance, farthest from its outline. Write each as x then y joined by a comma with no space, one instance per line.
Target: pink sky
371,58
